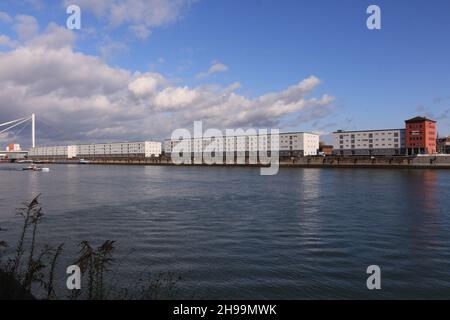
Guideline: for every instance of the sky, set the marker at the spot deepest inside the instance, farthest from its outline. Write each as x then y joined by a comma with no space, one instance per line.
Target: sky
139,69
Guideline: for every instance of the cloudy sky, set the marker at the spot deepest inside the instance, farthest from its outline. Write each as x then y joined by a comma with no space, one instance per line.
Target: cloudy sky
138,69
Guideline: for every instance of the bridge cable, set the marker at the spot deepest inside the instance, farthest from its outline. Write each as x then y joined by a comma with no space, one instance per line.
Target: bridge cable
21,129
11,122
63,134
15,125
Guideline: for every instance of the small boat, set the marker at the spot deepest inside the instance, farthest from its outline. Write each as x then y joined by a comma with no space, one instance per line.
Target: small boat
25,161
35,168
82,161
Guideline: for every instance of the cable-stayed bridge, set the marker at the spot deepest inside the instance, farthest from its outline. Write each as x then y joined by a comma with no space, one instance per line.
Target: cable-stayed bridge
12,153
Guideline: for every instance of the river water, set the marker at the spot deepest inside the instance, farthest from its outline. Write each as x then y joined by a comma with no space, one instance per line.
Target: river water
230,233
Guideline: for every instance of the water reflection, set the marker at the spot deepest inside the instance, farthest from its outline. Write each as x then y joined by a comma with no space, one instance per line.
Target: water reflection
429,190
32,184
421,188
310,220
425,218
310,190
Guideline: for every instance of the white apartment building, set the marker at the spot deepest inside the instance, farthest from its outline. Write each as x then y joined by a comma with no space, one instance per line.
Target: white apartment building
290,144
369,142
13,147
56,151
145,149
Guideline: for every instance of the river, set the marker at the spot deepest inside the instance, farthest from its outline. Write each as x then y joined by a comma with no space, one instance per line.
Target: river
230,233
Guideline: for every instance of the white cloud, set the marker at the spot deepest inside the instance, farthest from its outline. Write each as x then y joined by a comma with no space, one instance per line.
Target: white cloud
175,98
5,41
216,67
234,86
92,100
141,31
27,30
98,7
140,15
26,27
4,17
147,84
55,36
110,48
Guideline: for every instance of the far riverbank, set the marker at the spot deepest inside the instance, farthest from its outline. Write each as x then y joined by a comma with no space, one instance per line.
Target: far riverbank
420,162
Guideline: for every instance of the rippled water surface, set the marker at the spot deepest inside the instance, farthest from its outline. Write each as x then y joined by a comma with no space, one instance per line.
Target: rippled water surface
231,233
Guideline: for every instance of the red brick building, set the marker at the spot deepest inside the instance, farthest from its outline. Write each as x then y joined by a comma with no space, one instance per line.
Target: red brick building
421,136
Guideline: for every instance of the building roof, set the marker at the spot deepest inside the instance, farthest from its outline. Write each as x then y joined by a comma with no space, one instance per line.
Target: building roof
376,130
418,119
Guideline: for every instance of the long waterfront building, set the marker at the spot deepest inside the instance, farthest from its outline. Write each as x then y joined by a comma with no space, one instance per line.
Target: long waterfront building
369,142
144,149
292,144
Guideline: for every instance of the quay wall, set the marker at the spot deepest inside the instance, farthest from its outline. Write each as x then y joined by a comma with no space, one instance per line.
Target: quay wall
435,162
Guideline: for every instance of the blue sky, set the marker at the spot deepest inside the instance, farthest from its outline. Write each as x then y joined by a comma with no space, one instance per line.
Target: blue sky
378,78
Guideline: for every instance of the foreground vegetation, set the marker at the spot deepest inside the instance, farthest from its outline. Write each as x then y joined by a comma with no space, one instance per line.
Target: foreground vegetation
29,273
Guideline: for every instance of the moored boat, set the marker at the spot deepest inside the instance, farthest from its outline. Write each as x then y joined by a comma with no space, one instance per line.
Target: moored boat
35,168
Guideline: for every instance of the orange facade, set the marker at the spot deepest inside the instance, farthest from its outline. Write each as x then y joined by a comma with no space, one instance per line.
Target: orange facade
421,136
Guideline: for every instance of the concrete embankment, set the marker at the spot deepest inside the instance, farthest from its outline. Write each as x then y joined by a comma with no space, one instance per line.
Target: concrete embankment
428,162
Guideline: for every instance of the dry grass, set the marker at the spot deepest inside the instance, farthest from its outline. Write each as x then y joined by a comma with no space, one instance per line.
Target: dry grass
94,264
33,268
29,262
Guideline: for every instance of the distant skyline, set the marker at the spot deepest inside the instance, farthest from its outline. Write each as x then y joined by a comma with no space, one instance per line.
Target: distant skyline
139,69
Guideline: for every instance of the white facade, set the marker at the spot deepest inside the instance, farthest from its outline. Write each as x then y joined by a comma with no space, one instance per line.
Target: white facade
57,151
306,142
13,147
369,142
71,152
290,144
137,149
152,148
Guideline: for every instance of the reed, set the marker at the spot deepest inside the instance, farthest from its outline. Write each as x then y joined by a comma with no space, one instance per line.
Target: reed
34,264
25,212
3,245
29,262
95,263
51,276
